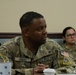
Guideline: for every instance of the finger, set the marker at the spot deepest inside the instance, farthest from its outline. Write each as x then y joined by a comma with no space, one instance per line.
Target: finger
42,65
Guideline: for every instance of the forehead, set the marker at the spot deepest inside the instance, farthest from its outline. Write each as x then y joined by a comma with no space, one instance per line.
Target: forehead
70,31
39,21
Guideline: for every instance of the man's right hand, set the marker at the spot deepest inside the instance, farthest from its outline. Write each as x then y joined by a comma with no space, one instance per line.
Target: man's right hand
38,70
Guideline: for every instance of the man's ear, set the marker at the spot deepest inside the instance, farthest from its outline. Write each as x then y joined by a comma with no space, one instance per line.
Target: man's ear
25,31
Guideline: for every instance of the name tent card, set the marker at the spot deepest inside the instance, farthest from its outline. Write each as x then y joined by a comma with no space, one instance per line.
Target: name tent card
5,68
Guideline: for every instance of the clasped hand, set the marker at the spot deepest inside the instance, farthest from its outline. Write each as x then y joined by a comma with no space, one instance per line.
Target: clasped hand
38,70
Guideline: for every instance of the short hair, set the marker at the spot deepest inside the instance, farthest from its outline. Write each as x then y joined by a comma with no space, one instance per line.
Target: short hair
28,17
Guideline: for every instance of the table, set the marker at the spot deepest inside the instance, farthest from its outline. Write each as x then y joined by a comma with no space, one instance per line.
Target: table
56,74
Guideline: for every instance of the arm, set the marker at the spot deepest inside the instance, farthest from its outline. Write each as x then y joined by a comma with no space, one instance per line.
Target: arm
65,62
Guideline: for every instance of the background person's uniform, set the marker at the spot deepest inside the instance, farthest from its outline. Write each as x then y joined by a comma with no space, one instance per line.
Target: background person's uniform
23,60
71,50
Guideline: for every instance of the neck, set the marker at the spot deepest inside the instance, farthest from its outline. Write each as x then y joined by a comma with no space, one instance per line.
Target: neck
31,46
70,45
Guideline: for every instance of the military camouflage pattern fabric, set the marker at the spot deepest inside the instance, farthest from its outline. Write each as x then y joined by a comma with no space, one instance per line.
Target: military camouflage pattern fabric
23,60
71,51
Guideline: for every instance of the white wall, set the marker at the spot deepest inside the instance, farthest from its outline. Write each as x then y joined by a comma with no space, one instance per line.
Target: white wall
58,13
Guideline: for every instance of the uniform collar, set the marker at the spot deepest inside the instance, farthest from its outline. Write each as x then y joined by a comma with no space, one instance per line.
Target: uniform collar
24,49
42,51
69,48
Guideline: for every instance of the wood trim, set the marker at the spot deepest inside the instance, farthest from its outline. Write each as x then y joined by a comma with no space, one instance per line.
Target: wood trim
11,35
55,35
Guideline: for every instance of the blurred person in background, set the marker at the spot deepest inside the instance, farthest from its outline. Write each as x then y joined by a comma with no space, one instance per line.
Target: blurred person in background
69,41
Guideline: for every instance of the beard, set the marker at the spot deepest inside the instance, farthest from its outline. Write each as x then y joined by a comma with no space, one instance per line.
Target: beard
37,42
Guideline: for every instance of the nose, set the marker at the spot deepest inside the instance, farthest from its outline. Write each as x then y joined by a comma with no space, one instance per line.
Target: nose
44,31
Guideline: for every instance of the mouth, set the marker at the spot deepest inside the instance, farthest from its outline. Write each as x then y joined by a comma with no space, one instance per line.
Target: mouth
44,39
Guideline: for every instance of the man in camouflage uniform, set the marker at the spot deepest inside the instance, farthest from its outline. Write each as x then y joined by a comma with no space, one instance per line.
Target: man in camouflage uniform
32,52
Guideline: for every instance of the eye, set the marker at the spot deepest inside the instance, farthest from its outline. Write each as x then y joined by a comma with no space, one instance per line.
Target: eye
69,35
39,28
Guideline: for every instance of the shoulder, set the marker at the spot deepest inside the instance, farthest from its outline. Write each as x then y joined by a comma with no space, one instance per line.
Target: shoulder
9,44
13,40
52,43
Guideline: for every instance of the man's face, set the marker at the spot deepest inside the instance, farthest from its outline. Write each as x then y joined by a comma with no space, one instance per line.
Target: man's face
37,31
70,36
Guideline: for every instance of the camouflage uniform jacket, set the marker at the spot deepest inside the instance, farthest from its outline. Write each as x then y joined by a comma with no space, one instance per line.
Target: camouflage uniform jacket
71,51
23,60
